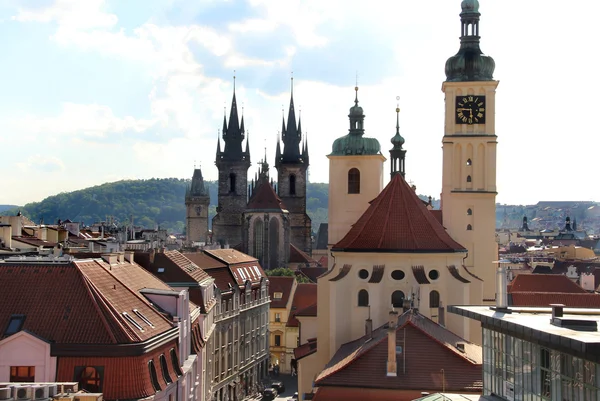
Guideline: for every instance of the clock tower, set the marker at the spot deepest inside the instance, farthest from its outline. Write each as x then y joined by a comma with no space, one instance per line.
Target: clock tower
469,154
197,201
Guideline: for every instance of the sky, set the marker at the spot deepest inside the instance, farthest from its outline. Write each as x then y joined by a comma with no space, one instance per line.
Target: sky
102,90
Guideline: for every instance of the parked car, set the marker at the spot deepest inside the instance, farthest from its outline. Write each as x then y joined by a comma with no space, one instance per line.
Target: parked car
269,394
279,386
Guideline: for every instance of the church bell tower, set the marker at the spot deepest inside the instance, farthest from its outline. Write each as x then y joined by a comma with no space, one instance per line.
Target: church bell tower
469,153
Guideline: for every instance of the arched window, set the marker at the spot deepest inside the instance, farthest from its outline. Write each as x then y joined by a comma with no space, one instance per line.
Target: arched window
232,183
175,362
154,376
469,178
259,232
397,299
165,369
434,299
469,212
469,162
353,181
274,243
363,298
89,378
469,227
292,184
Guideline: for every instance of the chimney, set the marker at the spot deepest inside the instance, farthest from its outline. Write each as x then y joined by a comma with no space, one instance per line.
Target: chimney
129,256
110,258
121,257
369,328
557,310
391,361
501,293
152,254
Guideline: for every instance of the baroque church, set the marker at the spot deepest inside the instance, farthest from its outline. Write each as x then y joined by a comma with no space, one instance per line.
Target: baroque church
388,250
261,217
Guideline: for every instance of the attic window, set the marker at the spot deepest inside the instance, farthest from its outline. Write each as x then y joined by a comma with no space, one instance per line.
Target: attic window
144,318
15,324
132,321
278,295
257,271
161,270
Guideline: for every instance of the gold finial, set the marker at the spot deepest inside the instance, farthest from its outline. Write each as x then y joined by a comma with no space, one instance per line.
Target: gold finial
397,104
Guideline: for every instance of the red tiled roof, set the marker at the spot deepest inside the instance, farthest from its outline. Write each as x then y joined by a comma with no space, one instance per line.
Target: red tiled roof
427,347
438,215
265,198
230,256
305,349
33,241
283,285
76,303
313,272
223,278
324,261
305,295
298,256
308,311
572,300
397,221
203,260
125,378
544,283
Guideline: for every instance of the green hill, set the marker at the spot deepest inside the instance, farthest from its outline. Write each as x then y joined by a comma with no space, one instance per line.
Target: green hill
150,203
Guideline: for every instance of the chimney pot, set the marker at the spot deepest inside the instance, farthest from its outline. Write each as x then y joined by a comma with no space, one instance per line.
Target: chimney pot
391,361
369,328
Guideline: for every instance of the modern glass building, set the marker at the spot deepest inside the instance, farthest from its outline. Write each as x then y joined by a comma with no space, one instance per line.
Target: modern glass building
538,354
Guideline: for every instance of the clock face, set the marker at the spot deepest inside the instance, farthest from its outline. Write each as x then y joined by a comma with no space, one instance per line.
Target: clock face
470,109
198,210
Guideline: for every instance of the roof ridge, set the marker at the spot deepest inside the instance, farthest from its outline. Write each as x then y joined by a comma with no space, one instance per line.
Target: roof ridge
89,286
386,222
444,344
106,308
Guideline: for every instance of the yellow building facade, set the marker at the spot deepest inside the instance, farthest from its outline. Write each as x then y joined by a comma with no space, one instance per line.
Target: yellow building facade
394,253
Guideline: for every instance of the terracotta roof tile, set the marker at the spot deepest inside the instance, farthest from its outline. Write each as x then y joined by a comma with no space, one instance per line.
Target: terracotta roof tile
438,215
281,285
572,300
265,198
299,256
377,274
126,378
544,283
223,278
310,310
203,260
87,302
420,276
454,272
397,221
342,273
313,272
305,349
230,256
427,346
305,295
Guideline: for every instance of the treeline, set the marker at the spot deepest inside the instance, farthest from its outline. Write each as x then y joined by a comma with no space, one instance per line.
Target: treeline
150,203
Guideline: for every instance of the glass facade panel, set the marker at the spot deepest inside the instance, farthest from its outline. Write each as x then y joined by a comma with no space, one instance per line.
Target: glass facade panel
519,370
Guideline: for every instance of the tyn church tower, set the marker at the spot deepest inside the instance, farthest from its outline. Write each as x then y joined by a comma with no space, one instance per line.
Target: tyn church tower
233,163
292,176
469,152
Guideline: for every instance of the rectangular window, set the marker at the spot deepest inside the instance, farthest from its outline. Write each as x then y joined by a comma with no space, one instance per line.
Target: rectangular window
278,317
15,324
22,374
278,295
277,340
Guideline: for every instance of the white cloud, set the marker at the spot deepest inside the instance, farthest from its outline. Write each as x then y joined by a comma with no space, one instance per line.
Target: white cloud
91,120
44,164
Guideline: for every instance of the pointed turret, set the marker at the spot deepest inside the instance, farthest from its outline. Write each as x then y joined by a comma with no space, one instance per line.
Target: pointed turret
197,187
397,154
233,134
247,145
291,135
278,151
218,144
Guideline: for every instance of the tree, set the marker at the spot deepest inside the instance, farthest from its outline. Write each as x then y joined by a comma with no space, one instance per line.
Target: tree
287,272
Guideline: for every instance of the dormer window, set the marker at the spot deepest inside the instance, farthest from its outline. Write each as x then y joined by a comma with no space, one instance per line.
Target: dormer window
278,295
15,324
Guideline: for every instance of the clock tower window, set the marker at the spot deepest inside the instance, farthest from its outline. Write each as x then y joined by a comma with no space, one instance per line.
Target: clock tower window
469,163
469,178
469,227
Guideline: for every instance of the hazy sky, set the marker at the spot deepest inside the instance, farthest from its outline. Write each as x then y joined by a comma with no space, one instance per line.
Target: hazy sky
100,90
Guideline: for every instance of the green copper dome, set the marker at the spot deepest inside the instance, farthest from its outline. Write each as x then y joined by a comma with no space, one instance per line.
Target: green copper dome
354,143
470,64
